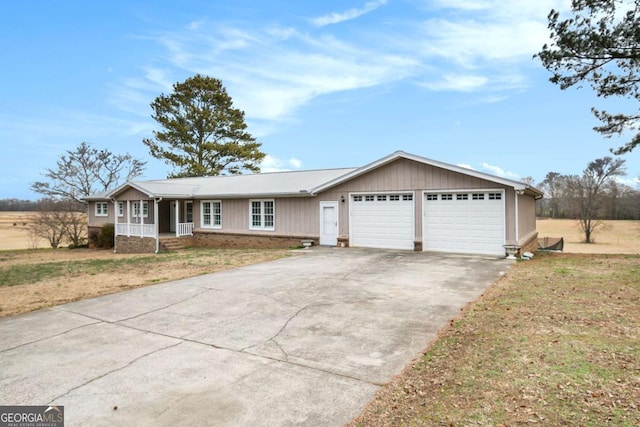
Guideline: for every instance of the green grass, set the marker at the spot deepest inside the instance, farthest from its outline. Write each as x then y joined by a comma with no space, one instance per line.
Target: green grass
15,275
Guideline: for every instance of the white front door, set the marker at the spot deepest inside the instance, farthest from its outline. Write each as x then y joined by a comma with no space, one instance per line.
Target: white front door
172,217
329,223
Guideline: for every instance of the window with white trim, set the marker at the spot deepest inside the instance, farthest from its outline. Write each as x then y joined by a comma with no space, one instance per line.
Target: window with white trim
136,210
447,196
495,196
102,209
394,197
357,198
369,198
211,214
262,215
407,197
120,209
462,196
477,196
382,198
188,211
432,197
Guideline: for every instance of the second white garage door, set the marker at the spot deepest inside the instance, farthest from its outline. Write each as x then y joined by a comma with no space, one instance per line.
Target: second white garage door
382,220
465,222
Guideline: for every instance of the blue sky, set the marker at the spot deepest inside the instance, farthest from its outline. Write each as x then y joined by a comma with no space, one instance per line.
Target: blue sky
323,84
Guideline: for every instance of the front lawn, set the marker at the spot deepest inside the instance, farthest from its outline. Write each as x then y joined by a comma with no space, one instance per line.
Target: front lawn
554,342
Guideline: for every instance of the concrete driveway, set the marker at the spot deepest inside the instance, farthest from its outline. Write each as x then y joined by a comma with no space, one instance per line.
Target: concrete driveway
305,340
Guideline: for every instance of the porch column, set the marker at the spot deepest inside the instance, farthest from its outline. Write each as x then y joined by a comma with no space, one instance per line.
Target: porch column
115,225
140,210
155,220
177,215
128,218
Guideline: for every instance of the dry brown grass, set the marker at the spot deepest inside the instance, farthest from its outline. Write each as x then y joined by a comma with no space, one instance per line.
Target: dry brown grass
14,231
554,343
30,280
620,237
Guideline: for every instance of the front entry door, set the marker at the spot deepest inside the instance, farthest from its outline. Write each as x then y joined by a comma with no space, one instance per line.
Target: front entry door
329,223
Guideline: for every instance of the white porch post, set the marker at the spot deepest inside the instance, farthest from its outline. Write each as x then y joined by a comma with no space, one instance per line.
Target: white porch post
115,225
140,210
128,218
177,214
155,220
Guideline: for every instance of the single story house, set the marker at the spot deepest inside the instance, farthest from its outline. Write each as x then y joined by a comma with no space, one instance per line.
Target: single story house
401,201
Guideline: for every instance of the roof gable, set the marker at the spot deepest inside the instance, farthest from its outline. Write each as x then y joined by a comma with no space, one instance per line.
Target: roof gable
517,185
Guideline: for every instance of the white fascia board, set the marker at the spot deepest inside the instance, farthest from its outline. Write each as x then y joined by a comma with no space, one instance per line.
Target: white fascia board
131,184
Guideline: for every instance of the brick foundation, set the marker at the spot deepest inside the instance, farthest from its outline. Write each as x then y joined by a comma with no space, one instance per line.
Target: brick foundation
243,241
135,245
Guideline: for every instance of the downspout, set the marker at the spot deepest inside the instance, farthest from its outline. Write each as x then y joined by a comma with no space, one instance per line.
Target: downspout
155,220
115,224
518,193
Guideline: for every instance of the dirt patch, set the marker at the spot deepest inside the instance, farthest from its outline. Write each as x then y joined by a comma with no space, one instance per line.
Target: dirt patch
43,278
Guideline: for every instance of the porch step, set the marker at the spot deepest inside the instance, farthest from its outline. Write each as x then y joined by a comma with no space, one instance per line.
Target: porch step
172,244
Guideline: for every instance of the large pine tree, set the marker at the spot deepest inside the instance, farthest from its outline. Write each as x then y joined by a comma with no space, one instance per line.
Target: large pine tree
202,134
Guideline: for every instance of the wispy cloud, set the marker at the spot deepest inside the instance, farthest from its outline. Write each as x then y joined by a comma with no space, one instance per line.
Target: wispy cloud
273,164
335,17
474,46
498,171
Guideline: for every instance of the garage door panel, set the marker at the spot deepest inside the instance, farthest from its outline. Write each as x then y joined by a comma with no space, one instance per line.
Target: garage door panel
464,223
382,223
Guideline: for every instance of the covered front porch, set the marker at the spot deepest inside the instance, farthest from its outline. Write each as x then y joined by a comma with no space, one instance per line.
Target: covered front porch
153,219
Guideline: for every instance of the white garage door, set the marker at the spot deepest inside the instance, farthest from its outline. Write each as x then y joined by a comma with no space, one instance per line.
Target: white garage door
469,222
382,220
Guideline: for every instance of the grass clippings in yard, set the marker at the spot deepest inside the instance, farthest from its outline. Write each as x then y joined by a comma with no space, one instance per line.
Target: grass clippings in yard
30,280
554,343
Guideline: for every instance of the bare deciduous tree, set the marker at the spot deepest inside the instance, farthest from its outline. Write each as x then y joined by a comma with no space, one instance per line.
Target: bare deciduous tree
59,222
86,171
585,192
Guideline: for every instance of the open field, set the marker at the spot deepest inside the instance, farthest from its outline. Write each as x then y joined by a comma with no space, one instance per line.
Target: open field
614,237
30,279
14,233
556,342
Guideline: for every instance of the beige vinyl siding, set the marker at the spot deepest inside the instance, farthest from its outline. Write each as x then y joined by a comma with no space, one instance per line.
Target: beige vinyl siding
132,195
412,176
293,216
97,221
526,217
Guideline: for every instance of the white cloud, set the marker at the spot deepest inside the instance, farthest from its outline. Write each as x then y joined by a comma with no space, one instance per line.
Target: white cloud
498,171
473,46
273,164
335,18
631,182
461,83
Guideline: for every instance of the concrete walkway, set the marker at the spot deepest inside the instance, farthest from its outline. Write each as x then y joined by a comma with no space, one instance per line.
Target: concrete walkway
305,340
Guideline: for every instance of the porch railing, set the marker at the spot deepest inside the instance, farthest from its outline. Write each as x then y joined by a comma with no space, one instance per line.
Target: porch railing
143,230
184,229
